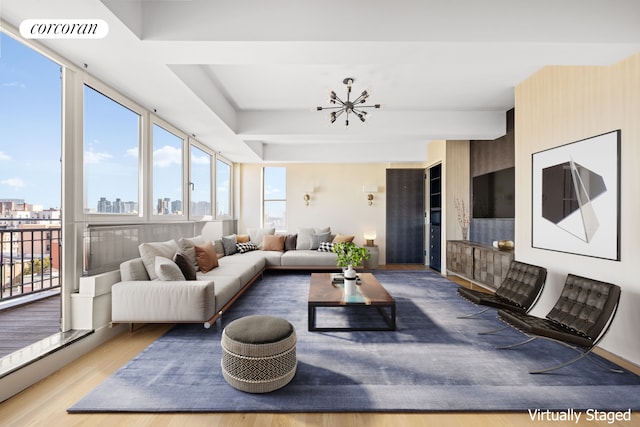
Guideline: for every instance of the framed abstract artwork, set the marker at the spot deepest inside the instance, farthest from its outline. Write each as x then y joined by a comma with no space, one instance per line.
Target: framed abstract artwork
576,197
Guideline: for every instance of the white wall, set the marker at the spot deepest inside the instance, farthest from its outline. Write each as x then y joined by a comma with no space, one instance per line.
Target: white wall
560,105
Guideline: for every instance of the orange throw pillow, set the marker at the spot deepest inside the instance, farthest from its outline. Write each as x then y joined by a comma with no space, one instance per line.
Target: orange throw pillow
242,238
273,242
343,239
206,257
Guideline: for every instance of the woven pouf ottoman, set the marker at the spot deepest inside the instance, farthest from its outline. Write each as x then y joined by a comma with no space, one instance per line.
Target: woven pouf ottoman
259,353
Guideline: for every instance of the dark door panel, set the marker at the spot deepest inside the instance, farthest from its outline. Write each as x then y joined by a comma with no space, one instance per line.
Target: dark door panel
405,216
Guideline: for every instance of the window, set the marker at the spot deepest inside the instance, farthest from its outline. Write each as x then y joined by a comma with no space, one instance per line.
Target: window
30,126
167,172
111,151
200,182
274,195
223,189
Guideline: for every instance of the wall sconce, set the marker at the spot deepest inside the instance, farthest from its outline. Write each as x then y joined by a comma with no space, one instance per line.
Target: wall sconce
307,196
369,237
370,190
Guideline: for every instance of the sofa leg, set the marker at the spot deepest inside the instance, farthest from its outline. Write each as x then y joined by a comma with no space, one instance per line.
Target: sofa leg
216,317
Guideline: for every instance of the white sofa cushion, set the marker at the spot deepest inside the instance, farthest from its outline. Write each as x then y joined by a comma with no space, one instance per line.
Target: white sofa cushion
185,301
244,272
149,252
271,258
308,258
254,258
226,288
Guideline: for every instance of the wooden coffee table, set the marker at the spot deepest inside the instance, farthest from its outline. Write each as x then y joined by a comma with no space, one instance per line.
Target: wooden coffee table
324,293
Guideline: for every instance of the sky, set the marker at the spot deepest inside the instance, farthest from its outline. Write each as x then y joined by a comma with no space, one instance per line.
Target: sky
30,127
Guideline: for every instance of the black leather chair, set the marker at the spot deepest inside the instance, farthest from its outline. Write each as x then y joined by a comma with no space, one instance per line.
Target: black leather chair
519,290
579,320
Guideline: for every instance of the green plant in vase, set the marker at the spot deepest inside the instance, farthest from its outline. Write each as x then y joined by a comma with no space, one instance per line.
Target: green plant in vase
349,255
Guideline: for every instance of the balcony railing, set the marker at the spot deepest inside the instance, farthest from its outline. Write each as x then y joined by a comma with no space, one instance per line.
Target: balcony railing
30,259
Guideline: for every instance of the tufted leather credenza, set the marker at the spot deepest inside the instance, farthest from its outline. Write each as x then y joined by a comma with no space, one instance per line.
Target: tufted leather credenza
580,317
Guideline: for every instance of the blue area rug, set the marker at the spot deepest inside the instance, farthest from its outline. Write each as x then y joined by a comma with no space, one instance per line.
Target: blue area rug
433,362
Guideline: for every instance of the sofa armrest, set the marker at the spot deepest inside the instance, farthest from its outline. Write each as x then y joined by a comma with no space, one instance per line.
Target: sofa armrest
163,301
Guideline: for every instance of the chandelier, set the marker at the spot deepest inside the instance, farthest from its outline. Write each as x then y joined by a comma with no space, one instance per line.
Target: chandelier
347,107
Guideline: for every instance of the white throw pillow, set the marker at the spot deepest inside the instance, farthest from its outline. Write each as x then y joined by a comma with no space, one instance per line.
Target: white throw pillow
256,235
149,252
167,270
305,237
133,269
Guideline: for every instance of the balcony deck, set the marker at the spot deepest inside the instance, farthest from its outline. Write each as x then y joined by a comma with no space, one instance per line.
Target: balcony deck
26,324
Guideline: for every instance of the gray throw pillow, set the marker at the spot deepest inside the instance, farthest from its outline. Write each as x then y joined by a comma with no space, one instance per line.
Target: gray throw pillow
184,264
218,247
304,238
318,238
290,242
229,244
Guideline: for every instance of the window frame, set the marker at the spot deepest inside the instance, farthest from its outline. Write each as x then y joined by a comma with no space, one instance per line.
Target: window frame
264,199
143,136
192,142
155,120
221,159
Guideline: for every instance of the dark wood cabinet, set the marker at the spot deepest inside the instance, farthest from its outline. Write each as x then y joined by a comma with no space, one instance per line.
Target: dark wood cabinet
480,264
435,247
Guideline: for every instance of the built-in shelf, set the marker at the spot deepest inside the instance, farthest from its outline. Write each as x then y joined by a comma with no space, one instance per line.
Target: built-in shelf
435,216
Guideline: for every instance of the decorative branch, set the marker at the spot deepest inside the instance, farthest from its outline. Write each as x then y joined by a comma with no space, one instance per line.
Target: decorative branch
464,217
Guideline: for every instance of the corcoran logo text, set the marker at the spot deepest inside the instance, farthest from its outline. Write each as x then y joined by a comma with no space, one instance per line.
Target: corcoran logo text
64,28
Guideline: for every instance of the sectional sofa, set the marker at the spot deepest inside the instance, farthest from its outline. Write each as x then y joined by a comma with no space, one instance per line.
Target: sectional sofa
191,280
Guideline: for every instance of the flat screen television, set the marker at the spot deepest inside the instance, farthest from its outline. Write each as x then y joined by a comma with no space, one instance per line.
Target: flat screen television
494,194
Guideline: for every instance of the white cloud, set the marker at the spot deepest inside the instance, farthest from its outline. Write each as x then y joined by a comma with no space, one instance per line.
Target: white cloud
13,182
93,157
4,156
133,152
271,190
14,84
167,156
200,160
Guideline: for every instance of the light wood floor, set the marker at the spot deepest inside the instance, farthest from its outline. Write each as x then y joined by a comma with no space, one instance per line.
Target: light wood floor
45,403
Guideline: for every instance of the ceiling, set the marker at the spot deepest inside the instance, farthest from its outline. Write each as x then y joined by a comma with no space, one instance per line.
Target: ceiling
245,76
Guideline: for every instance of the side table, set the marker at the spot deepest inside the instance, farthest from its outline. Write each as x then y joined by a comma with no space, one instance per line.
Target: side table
374,258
